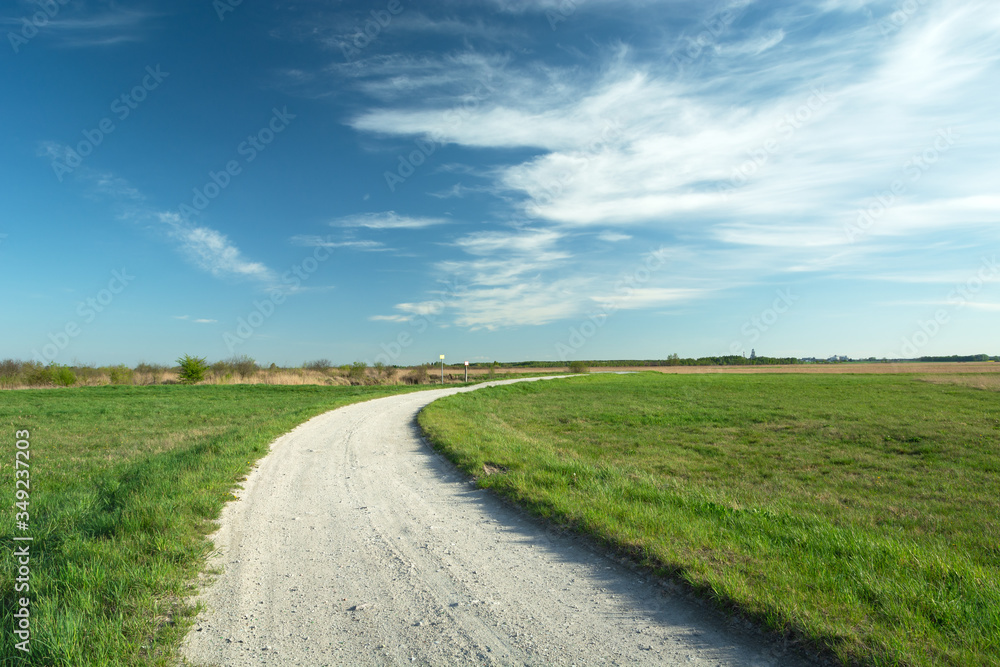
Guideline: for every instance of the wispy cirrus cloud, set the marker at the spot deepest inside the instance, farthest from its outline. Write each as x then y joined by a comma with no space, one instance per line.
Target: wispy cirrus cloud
781,127
388,220
212,250
314,241
73,26
209,249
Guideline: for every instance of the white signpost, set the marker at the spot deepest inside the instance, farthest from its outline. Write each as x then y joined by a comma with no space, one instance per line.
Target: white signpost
442,370
466,372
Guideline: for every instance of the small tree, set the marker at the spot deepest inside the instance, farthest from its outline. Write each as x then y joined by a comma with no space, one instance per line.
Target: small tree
192,369
243,365
358,373
120,374
578,367
321,365
63,376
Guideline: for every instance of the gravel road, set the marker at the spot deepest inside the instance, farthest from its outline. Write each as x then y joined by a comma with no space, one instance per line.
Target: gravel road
353,543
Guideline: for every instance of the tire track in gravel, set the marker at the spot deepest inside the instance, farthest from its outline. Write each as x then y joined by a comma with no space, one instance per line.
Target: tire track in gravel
353,543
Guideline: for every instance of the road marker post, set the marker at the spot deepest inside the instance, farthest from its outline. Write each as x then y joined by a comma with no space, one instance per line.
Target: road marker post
466,372
442,370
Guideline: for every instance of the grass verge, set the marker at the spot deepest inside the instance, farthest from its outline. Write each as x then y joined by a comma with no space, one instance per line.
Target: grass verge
857,513
125,482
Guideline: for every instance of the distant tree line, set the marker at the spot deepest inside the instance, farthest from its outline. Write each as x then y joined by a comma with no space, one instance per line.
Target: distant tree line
672,360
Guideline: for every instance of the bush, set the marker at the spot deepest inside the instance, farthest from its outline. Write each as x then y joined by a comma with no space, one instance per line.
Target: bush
417,375
152,373
37,375
63,376
221,369
383,372
120,374
578,367
192,369
243,366
10,368
89,375
321,365
358,373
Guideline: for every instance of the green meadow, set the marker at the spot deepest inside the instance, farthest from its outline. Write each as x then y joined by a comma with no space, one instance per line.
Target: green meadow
125,482
858,514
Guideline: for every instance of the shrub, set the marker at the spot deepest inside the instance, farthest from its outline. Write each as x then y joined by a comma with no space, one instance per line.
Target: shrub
192,369
37,375
578,367
358,373
63,376
318,365
243,366
416,375
120,374
221,369
10,368
89,375
151,373
384,372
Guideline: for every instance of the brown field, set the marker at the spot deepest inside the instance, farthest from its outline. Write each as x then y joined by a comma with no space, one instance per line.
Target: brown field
983,375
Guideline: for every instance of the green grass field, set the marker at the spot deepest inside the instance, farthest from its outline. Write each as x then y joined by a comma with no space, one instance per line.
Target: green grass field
860,514
124,484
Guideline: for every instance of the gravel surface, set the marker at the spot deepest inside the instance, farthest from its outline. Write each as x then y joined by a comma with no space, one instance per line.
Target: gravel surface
354,543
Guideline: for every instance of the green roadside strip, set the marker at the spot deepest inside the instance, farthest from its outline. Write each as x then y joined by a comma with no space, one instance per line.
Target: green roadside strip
856,513
125,484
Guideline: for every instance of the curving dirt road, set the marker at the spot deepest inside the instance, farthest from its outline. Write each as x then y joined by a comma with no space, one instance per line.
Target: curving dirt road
353,543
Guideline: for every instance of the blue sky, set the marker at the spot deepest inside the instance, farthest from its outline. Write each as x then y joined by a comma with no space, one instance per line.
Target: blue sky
502,179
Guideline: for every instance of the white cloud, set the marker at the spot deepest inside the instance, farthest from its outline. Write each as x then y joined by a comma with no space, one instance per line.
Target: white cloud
391,318
639,145
387,220
72,29
613,237
321,242
213,251
536,242
757,157
648,297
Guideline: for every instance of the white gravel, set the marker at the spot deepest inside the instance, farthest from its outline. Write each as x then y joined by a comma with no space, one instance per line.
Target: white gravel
353,543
